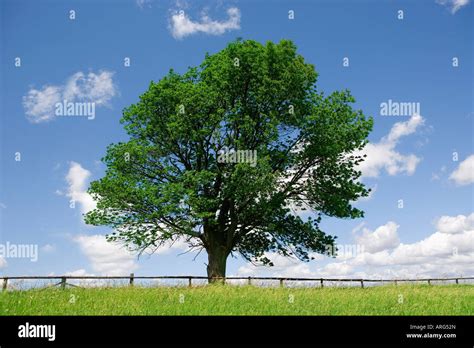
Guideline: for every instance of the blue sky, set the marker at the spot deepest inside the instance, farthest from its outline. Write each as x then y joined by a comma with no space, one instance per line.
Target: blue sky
410,157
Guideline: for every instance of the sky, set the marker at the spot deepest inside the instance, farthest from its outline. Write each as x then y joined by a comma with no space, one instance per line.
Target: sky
419,219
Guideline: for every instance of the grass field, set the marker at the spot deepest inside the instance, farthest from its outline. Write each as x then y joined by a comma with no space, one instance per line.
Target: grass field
244,300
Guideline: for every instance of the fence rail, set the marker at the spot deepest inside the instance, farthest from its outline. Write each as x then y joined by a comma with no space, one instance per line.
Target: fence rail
132,277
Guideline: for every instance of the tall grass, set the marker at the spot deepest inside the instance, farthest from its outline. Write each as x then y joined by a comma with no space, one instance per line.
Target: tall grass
242,300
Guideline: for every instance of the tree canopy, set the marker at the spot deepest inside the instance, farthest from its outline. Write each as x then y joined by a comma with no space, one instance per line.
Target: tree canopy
169,181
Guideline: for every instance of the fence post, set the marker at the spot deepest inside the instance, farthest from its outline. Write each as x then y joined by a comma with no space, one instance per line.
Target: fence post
395,282
362,283
249,281
5,284
281,282
457,281
429,281
132,276
322,280
63,283
190,282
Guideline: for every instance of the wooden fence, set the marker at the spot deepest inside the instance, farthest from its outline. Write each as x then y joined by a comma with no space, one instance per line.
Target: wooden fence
131,278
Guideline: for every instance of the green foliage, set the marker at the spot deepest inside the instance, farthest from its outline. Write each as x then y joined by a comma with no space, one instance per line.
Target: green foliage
243,300
167,183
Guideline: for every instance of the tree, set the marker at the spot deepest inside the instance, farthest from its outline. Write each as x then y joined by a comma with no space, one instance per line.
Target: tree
184,174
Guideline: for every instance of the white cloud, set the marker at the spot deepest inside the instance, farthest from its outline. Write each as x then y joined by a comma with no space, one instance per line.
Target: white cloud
106,258
86,282
438,175
3,262
79,273
401,129
181,25
449,251
464,174
77,179
98,88
39,104
283,267
337,269
384,237
455,224
143,3
453,5
169,246
48,248
384,156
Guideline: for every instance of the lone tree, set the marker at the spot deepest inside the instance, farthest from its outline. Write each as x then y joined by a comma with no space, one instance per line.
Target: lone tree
183,173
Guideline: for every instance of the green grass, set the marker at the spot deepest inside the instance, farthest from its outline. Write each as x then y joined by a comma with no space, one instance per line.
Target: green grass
244,300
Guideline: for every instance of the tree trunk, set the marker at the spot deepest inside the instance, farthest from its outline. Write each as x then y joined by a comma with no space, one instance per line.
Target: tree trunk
217,261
